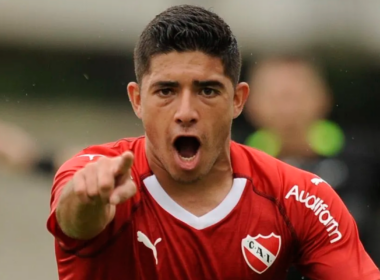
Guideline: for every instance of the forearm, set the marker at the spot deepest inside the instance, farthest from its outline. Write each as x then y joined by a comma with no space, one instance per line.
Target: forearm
82,221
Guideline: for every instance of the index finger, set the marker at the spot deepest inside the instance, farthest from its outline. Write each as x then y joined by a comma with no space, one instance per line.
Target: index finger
124,163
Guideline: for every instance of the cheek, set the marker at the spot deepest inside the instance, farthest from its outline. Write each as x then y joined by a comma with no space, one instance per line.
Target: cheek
155,128
152,129
222,123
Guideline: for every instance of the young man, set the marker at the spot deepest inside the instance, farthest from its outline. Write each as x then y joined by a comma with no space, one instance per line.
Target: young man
184,201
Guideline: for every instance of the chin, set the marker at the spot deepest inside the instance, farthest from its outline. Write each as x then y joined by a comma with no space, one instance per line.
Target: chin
183,178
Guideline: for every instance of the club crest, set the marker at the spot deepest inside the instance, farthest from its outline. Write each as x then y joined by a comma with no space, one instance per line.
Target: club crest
260,251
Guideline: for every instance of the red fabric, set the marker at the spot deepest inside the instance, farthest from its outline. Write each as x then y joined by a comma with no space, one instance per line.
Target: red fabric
273,225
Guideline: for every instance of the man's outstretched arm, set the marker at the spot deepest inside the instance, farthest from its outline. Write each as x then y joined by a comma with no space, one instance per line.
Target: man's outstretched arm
88,201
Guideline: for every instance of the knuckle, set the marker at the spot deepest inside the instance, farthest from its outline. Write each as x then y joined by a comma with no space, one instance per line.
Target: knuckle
106,182
105,169
104,161
92,191
90,167
79,186
105,188
81,192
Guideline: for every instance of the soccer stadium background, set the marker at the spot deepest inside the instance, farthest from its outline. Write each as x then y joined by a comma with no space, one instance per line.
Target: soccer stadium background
64,67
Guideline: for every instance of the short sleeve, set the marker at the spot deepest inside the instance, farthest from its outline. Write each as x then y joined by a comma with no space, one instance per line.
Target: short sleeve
329,243
62,177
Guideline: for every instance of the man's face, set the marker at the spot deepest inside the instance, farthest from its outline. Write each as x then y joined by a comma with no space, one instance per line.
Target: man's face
187,105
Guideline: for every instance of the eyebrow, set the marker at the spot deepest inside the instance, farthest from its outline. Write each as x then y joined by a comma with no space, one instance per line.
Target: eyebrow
196,83
165,84
209,83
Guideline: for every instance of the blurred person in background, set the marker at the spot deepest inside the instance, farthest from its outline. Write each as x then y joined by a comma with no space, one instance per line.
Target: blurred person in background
20,152
286,116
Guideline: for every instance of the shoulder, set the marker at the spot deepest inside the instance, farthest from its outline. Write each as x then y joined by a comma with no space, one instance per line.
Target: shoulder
268,174
300,194
113,148
95,152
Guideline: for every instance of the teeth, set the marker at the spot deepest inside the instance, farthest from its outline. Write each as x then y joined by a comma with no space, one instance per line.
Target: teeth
188,158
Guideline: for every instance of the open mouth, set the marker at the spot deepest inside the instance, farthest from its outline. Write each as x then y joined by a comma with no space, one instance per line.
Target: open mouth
187,147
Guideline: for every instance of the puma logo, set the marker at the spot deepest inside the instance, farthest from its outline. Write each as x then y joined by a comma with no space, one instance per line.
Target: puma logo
317,181
145,240
91,157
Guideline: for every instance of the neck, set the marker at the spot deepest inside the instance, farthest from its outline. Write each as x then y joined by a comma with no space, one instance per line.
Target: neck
295,144
202,195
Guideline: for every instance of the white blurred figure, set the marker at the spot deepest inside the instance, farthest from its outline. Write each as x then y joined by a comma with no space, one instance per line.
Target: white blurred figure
18,149
20,152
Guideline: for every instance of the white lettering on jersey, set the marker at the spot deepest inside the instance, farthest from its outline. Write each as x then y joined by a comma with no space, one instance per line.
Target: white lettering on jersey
317,181
145,240
320,209
91,157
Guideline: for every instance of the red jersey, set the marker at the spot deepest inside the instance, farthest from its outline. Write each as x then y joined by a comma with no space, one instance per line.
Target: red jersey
274,216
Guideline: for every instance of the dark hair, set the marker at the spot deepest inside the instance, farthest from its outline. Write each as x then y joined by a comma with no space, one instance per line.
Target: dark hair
188,28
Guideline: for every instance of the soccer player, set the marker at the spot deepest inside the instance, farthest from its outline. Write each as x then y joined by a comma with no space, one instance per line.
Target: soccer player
184,201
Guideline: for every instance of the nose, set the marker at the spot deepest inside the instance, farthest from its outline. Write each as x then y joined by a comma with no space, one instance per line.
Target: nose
186,111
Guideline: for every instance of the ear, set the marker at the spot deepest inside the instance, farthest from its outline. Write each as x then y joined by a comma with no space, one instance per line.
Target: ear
133,90
240,97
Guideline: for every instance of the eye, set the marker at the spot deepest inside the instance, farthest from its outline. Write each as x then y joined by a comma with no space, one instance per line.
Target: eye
209,92
165,91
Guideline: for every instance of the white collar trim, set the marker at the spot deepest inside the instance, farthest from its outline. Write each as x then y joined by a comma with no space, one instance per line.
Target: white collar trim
209,219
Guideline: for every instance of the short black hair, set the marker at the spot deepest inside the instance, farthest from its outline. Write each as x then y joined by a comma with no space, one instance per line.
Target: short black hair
188,28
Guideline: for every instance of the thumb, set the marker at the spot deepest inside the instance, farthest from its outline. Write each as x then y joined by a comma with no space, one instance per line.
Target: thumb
123,192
